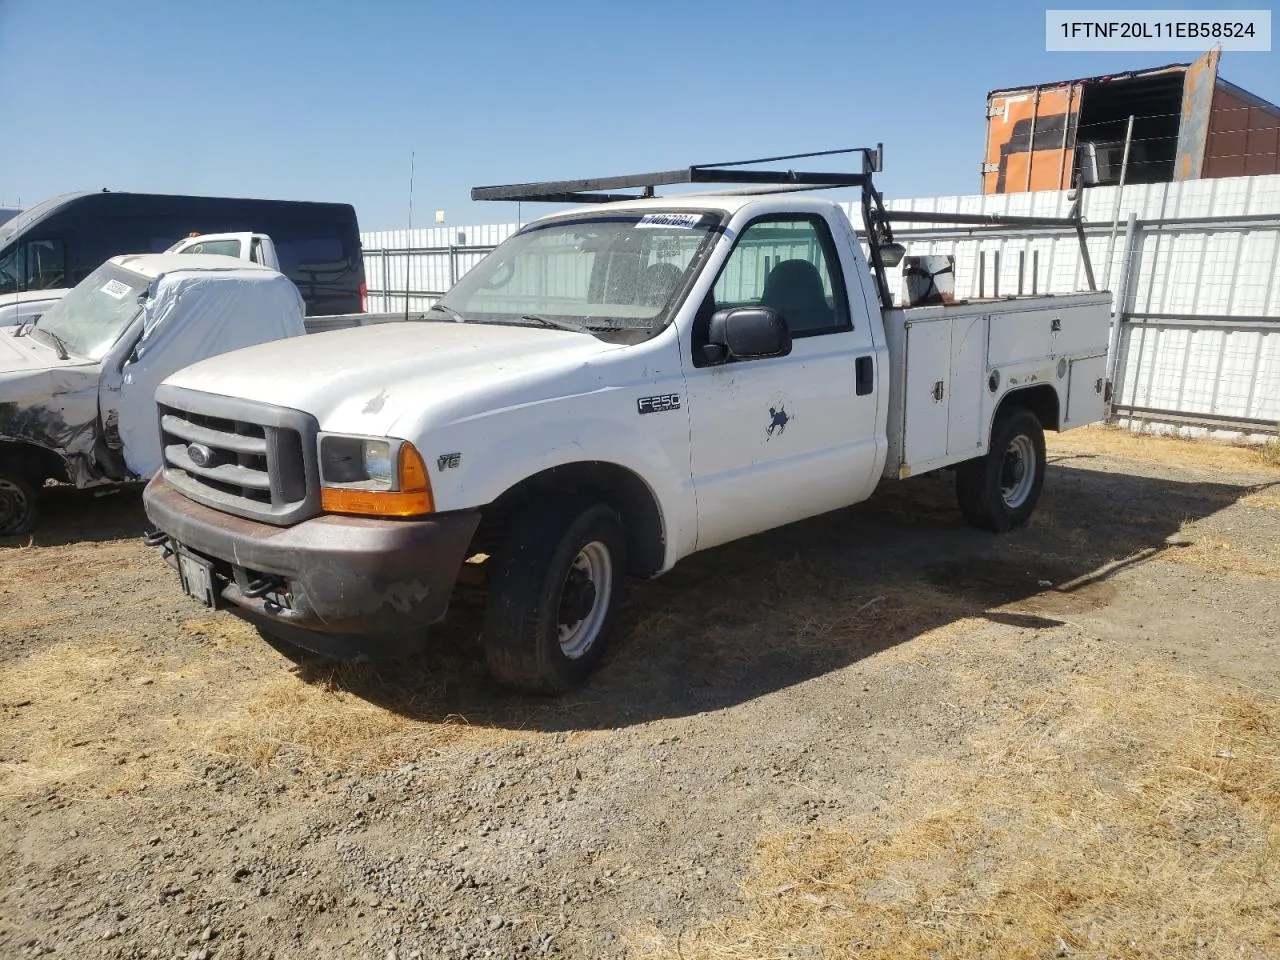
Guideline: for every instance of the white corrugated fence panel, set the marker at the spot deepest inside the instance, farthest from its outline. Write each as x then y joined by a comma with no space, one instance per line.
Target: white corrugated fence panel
422,264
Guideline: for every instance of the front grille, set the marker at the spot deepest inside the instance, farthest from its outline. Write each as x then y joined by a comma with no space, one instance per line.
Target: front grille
254,460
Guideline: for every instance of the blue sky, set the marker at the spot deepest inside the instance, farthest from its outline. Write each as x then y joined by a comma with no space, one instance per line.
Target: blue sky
324,100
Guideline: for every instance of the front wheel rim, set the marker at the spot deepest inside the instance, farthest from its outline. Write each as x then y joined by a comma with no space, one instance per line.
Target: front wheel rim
584,599
14,507
1017,472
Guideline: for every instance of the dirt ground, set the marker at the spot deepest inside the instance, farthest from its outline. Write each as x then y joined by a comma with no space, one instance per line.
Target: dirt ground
873,734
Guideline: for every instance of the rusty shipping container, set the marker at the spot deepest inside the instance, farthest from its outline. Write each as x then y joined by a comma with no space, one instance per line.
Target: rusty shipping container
1188,124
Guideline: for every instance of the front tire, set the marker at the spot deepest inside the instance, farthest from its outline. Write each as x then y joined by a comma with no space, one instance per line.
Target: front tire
999,491
17,504
554,594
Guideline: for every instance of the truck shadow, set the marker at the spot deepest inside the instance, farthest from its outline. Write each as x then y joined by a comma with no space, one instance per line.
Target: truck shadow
793,604
68,515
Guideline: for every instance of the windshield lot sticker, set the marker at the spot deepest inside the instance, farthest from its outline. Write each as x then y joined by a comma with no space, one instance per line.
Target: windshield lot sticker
668,401
116,289
685,221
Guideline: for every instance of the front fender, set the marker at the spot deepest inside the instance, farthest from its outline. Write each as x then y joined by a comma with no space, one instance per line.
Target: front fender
496,453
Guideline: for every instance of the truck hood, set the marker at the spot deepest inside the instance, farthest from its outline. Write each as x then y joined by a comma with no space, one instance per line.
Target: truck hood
23,355
25,361
363,380
46,401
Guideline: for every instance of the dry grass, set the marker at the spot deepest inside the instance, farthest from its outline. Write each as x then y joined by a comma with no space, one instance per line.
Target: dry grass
1213,550
1219,556
99,719
1168,450
1133,813
1267,498
1270,451
83,716
313,715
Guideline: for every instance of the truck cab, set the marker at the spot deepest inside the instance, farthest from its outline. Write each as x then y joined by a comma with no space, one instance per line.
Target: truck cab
251,247
609,391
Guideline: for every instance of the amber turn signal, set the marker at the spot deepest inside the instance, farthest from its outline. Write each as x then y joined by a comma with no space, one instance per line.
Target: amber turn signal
413,499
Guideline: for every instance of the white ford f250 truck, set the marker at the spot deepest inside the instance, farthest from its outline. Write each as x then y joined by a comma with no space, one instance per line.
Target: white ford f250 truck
612,389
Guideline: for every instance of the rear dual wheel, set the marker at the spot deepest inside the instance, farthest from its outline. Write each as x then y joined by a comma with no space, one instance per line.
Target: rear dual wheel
999,491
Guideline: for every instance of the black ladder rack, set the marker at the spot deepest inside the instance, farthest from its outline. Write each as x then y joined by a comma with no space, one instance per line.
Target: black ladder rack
589,190
876,218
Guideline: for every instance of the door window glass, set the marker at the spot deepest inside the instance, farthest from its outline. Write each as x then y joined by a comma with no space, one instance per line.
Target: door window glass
311,253
9,271
46,265
36,265
791,266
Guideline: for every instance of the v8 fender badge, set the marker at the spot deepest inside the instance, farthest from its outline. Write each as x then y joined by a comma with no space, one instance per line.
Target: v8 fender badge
660,404
447,461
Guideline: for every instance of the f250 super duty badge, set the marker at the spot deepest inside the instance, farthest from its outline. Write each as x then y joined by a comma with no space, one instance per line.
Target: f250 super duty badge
668,401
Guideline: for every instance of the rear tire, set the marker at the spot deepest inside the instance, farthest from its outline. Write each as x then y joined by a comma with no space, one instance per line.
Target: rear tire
553,595
999,491
17,504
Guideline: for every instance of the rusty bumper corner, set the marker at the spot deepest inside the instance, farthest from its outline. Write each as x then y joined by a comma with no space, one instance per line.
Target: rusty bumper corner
330,574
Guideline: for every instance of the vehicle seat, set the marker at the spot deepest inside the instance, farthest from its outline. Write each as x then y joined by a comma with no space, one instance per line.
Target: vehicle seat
794,289
657,283
622,276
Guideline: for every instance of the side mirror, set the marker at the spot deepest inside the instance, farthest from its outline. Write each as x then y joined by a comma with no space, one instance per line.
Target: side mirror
747,333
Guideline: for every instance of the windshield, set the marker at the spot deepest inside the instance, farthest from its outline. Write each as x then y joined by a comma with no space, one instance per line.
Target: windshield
614,271
90,318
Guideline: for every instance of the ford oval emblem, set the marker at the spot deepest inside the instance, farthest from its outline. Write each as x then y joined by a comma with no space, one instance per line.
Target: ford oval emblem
200,455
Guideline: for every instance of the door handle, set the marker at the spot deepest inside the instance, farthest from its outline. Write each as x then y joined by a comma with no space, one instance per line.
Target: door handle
863,375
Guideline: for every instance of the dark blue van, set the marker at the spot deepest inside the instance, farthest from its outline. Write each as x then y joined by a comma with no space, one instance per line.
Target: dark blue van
59,242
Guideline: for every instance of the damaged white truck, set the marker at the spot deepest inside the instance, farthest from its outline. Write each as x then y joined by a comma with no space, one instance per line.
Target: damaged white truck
612,389
77,383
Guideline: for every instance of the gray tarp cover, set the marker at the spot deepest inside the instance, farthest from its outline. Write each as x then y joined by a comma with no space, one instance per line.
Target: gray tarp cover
63,406
191,316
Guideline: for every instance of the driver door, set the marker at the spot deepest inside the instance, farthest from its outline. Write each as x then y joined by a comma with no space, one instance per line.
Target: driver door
781,438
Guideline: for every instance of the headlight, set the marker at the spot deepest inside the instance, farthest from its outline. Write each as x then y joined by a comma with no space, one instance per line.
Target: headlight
375,456
373,477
